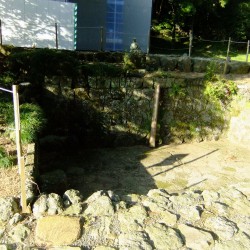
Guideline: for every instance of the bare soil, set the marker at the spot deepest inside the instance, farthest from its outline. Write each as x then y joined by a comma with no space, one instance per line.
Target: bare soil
208,165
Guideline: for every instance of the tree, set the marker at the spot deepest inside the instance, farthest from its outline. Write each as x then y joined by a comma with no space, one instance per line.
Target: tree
213,19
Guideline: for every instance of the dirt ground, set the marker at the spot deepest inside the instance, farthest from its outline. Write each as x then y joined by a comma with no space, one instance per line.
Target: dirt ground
198,166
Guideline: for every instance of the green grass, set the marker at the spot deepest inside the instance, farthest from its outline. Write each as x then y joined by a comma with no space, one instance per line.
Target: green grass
200,48
5,160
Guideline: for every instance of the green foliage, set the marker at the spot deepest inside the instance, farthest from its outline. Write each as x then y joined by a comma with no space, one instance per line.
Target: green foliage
176,91
31,118
7,110
210,72
220,90
127,62
133,60
6,79
34,65
163,29
5,160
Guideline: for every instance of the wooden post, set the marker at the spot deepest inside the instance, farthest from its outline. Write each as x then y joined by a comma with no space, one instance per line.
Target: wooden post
1,35
17,124
154,117
247,51
24,206
227,58
101,37
56,32
149,39
20,158
190,42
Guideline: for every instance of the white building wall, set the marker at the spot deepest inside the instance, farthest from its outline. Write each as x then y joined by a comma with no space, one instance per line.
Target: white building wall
27,23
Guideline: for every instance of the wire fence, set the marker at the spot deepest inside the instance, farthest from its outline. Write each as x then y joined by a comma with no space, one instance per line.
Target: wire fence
98,38
197,46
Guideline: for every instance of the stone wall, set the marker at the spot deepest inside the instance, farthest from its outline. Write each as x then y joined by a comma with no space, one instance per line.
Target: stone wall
125,104
159,220
194,64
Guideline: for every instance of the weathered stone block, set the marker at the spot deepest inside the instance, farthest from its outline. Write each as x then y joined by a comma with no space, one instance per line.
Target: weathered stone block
57,230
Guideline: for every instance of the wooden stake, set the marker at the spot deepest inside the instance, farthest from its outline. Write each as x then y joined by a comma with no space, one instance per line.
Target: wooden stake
17,124
247,51
20,158
190,42
1,35
56,32
154,117
101,37
227,59
24,206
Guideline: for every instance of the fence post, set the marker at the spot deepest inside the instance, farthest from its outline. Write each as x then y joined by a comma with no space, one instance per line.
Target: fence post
1,37
101,37
56,32
190,42
152,138
227,58
247,51
149,39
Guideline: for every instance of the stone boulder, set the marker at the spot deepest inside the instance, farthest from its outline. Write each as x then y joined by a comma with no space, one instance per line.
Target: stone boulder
185,64
48,205
99,204
57,230
196,239
239,68
8,207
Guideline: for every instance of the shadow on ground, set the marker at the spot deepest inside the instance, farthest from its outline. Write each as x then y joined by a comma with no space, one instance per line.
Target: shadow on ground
124,170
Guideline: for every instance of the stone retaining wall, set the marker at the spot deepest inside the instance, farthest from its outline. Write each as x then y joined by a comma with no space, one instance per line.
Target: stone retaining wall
31,172
194,64
126,105
158,220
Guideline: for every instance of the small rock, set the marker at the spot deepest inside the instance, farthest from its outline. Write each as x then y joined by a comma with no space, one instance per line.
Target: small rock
19,233
47,204
100,207
135,241
40,206
8,207
224,228
54,204
231,244
95,196
196,239
210,197
15,219
114,197
158,192
73,196
163,237
74,209
131,198
132,219
99,230
164,217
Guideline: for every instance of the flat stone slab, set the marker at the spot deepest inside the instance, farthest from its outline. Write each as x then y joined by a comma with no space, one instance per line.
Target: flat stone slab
57,230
